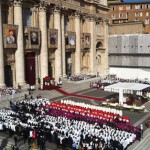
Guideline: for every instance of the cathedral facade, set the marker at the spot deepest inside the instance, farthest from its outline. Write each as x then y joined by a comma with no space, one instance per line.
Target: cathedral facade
55,38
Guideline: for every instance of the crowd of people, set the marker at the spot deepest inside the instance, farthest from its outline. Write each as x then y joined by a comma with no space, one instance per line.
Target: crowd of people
85,127
8,91
81,77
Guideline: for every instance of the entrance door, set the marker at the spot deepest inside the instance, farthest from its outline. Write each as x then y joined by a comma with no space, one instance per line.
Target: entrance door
68,64
30,68
8,76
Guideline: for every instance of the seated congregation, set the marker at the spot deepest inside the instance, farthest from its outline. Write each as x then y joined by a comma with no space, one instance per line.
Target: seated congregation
67,123
8,91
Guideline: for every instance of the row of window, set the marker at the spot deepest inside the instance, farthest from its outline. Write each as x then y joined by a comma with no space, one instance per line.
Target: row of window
137,14
129,7
146,21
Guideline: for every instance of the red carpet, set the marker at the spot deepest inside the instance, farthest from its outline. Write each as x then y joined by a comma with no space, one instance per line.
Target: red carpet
81,96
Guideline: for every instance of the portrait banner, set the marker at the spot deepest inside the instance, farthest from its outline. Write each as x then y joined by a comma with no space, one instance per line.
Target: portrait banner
52,38
87,40
32,38
10,33
70,40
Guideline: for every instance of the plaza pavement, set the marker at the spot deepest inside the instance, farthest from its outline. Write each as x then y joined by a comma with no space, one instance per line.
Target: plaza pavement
136,118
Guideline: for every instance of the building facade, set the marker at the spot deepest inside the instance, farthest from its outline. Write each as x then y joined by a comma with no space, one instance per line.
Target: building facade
129,56
53,38
123,13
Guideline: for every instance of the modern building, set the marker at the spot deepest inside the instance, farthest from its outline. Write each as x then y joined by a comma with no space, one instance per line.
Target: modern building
129,56
125,14
53,38
129,38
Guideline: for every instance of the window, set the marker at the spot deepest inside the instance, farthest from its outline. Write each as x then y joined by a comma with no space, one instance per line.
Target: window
120,8
141,14
120,21
128,8
120,15
113,16
141,6
147,14
136,14
27,17
113,8
137,6
146,21
127,15
147,6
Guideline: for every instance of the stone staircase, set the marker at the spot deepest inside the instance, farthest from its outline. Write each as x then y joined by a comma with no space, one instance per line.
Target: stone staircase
147,106
71,87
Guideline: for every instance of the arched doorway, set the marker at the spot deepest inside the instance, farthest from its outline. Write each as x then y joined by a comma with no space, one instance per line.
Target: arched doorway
30,68
8,76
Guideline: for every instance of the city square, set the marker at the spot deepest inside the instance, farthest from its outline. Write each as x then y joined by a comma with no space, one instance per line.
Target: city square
74,75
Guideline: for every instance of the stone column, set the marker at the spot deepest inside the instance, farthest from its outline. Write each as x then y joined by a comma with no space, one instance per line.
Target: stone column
34,12
2,78
19,54
10,15
78,43
44,44
57,25
93,43
106,66
63,46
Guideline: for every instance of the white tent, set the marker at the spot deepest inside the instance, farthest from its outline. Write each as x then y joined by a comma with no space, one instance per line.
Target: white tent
128,87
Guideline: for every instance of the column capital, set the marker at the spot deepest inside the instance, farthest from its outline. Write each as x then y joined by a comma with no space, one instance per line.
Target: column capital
77,14
57,8
64,10
16,3
92,17
42,6
34,8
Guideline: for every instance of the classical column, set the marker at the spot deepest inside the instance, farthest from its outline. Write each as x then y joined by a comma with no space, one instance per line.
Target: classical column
106,69
19,54
78,43
63,45
34,18
57,25
33,9
10,15
37,67
93,43
44,44
2,80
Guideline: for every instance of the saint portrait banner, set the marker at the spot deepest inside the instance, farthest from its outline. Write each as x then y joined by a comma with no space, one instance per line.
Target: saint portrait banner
32,38
87,40
70,40
52,38
10,33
